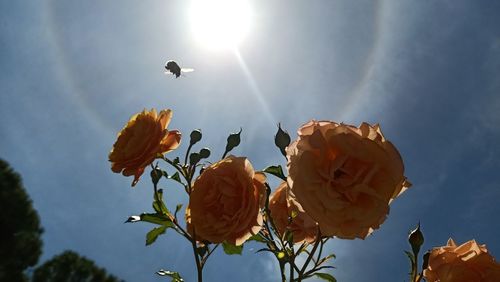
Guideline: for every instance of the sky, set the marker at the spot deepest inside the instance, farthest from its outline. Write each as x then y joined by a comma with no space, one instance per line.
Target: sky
73,72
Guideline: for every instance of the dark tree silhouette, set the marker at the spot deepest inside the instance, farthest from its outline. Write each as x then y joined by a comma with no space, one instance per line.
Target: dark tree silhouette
20,230
71,267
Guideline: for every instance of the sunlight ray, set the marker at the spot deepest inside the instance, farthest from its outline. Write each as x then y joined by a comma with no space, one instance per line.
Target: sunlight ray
255,88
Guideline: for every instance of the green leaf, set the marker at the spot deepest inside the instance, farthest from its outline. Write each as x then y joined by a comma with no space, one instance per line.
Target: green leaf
157,219
153,234
177,209
176,177
158,204
326,267
325,259
133,218
411,257
275,170
176,161
151,218
258,238
326,276
160,208
413,266
176,277
231,249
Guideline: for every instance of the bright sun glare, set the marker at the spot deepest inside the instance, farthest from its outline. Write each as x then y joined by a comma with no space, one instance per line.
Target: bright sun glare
220,24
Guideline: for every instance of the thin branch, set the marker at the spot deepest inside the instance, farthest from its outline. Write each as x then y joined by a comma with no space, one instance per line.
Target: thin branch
282,270
187,153
304,267
320,251
204,260
199,266
308,273
172,164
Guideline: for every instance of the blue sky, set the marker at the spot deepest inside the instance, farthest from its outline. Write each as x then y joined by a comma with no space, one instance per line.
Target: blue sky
73,72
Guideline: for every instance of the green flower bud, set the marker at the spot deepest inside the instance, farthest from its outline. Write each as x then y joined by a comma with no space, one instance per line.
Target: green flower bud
416,239
233,140
156,174
194,158
282,139
195,136
204,153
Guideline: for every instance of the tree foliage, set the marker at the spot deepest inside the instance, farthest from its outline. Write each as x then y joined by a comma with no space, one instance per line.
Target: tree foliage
71,267
20,235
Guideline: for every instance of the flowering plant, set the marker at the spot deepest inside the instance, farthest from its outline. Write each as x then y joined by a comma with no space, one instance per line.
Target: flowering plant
341,180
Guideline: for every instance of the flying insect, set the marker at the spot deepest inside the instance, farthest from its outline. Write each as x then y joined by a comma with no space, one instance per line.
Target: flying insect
175,69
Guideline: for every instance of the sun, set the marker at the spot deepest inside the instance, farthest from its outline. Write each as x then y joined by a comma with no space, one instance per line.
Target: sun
220,24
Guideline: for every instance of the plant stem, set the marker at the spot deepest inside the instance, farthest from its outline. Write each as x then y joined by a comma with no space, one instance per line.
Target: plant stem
416,268
282,270
320,251
172,164
199,266
204,260
271,244
187,153
188,176
304,267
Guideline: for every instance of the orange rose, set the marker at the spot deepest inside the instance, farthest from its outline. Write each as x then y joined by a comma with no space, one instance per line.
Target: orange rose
282,204
344,176
141,140
226,201
468,262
